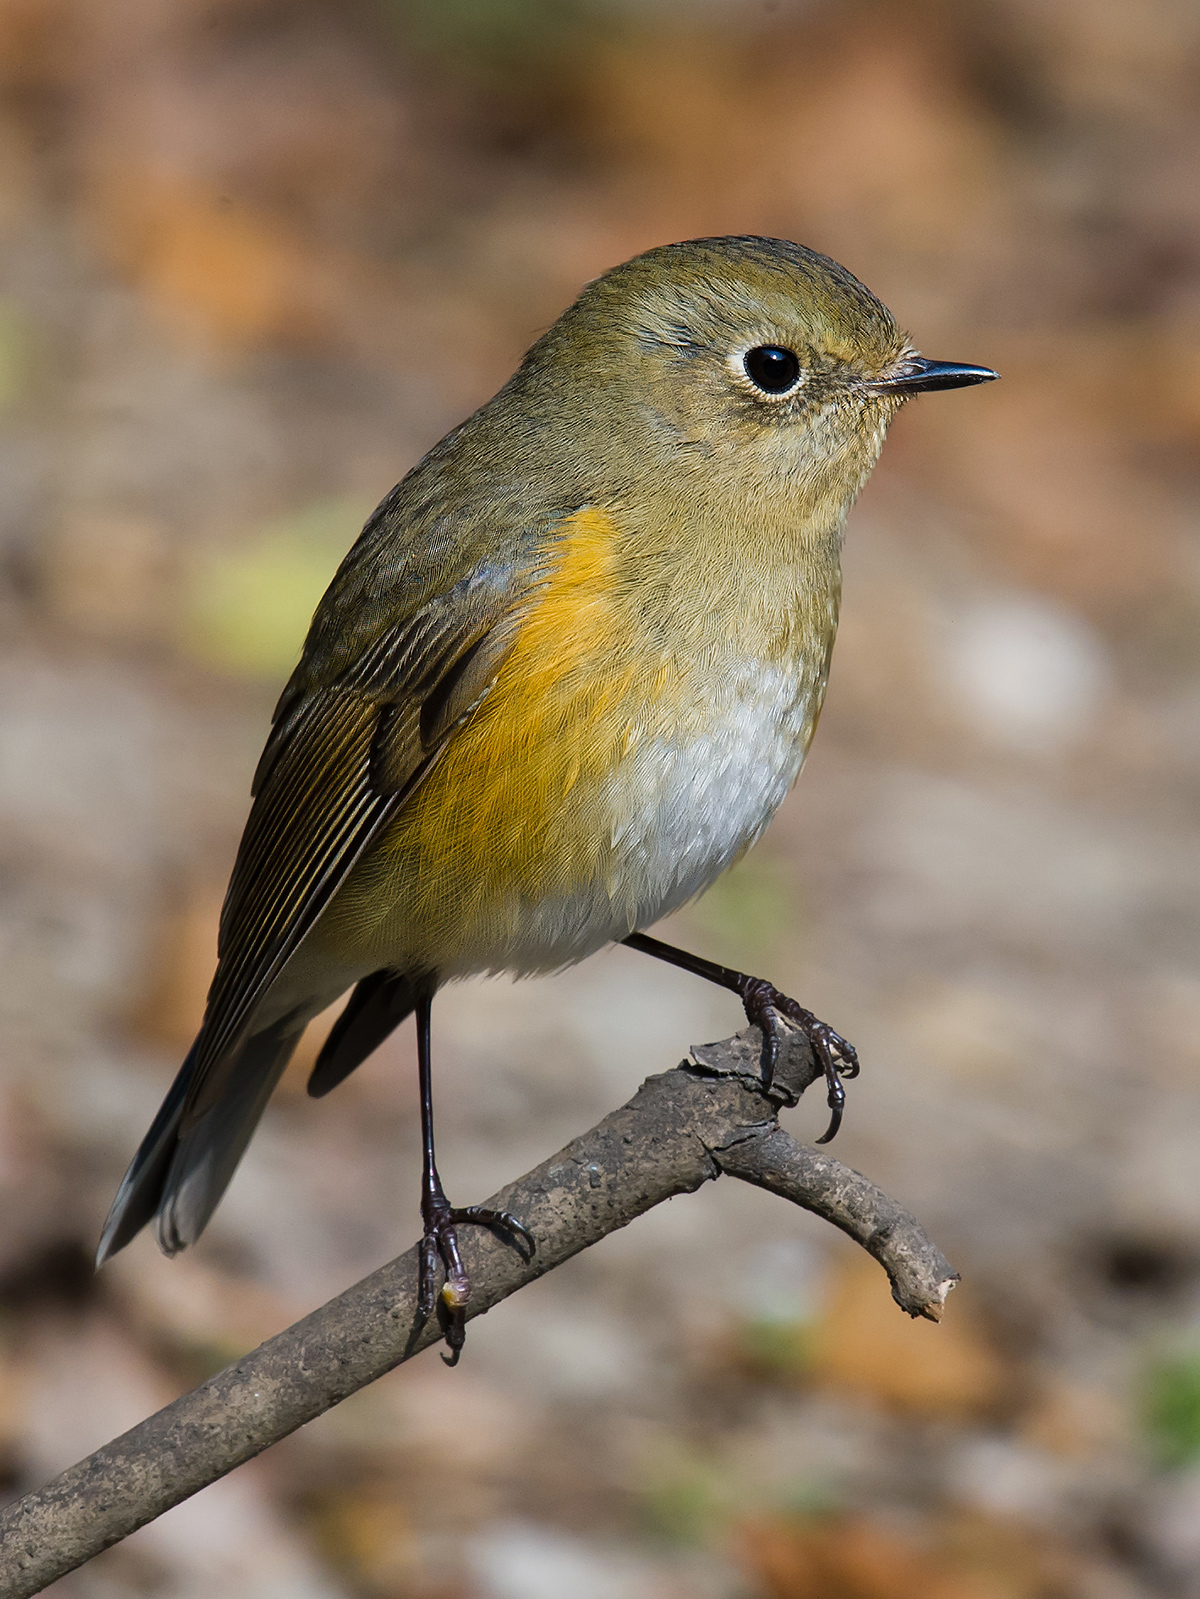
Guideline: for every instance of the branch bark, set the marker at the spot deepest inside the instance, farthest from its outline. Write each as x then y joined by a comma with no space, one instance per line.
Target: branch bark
708,1116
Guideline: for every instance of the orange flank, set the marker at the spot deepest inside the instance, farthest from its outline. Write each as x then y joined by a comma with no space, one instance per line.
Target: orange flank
513,813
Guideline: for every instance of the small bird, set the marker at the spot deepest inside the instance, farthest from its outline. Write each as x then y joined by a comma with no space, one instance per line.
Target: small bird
563,679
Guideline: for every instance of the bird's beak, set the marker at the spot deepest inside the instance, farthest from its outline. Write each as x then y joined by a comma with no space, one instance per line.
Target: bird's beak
916,375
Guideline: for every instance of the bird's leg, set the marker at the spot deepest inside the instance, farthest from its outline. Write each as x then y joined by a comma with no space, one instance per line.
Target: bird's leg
764,1006
441,1219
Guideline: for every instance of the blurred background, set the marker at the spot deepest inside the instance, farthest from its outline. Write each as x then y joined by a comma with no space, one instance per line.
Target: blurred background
255,257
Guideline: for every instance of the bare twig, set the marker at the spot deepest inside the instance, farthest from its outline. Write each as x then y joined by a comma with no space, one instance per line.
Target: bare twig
710,1115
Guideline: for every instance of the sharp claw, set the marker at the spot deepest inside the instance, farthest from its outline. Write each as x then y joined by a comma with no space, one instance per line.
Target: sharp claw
836,1097
770,1051
835,1121
523,1233
440,1245
501,1221
765,1005
455,1330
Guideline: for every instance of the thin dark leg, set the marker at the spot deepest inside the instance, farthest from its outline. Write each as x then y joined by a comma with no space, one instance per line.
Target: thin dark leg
440,1238
764,1006
441,1219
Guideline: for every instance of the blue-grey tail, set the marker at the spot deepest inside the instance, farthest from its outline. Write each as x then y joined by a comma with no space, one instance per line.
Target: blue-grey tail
178,1173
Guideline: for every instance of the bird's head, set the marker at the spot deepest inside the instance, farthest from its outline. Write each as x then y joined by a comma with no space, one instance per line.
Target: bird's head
760,366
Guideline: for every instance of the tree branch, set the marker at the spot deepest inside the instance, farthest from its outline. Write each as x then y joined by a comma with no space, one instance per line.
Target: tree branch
708,1116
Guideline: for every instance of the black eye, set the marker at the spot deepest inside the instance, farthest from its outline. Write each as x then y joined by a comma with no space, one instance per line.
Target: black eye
772,369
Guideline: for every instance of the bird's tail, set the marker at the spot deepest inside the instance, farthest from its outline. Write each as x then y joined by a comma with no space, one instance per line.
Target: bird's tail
180,1174
376,1008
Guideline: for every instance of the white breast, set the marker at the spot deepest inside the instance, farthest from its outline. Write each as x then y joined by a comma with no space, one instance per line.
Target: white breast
692,806
683,807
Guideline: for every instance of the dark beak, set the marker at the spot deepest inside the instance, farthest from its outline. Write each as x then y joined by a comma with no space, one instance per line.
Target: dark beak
918,376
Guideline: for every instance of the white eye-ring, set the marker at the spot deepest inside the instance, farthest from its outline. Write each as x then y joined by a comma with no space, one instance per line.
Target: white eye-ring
772,369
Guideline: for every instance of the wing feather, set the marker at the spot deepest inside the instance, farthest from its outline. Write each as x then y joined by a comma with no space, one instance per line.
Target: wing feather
313,819
341,759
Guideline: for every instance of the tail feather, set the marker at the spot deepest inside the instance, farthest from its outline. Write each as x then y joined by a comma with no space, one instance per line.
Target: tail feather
180,1173
207,1153
142,1185
377,1007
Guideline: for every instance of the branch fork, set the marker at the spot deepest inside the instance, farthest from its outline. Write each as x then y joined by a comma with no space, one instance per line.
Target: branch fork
708,1117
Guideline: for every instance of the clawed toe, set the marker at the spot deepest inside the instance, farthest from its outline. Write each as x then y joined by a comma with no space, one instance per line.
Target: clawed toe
440,1244
510,1230
765,1007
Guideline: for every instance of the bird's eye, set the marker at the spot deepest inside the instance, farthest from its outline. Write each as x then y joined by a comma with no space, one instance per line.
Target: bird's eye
772,369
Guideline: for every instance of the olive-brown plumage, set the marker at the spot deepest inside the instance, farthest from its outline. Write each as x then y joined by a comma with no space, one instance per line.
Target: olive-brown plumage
562,680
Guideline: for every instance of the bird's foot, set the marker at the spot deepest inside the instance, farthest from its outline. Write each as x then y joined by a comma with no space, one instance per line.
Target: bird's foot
765,1006
440,1244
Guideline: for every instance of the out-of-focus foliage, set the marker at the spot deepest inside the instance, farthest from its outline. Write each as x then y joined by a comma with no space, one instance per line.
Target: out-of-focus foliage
249,606
498,37
1172,1409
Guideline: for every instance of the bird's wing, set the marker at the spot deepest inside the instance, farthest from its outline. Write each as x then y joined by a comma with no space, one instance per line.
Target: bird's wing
367,713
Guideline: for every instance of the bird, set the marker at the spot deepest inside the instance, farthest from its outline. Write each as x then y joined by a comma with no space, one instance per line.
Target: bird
562,681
